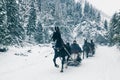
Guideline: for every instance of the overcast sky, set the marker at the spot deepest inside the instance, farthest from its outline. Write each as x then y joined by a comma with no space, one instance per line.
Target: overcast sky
107,6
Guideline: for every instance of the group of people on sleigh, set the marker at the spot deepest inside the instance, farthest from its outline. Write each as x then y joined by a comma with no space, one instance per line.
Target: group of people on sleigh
76,50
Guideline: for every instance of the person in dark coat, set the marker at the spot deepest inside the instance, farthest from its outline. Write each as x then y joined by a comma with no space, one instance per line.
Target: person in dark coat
75,48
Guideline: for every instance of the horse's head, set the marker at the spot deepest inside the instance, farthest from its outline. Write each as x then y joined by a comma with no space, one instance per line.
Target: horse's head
85,40
54,37
85,44
56,34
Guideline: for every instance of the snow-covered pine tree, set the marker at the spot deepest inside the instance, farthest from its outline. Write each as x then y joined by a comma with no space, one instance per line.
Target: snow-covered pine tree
106,24
24,11
2,12
31,26
39,33
3,28
91,12
70,8
98,17
16,31
86,9
77,13
39,4
114,31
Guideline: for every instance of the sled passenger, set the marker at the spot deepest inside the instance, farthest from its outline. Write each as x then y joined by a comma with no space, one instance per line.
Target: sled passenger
75,49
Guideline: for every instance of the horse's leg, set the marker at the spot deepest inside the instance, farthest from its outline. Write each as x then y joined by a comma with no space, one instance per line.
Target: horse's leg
87,54
54,60
83,54
63,60
93,51
68,58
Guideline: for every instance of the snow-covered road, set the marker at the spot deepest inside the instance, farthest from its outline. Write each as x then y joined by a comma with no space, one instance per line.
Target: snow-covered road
105,65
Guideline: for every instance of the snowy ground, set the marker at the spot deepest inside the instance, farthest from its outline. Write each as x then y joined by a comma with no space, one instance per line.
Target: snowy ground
21,64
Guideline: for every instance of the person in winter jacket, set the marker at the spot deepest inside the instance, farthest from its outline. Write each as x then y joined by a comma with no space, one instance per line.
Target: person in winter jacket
75,48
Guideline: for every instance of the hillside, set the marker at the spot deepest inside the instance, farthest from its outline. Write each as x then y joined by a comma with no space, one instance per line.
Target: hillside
70,15
33,21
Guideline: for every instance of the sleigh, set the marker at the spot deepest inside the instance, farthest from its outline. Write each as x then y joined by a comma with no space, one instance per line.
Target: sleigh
75,60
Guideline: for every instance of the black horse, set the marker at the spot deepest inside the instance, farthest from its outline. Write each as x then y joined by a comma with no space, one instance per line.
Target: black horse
59,48
88,48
